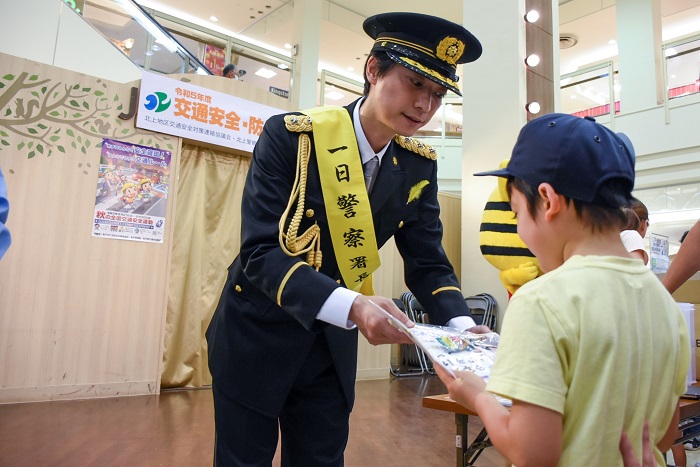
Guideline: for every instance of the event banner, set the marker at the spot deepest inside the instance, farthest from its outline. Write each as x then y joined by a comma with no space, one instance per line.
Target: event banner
182,109
132,192
214,59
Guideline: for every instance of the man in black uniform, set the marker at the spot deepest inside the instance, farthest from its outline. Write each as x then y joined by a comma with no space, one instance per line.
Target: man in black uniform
283,340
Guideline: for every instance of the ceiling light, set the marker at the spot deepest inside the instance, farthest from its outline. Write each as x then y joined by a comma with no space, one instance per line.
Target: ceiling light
283,66
265,73
671,52
287,46
532,60
214,18
334,96
532,16
533,107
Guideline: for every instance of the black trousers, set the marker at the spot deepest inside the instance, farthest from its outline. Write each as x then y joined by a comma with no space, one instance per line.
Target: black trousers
313,424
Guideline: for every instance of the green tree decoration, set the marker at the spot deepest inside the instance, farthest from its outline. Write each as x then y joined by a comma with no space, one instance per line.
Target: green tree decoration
50,116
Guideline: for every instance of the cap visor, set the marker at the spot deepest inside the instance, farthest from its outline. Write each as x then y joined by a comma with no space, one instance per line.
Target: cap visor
497,173
432,75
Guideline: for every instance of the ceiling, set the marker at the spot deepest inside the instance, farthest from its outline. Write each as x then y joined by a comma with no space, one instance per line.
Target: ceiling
344,45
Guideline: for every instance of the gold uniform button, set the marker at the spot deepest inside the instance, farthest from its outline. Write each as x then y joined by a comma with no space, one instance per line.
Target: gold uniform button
338,281
309,213
400,224
238,288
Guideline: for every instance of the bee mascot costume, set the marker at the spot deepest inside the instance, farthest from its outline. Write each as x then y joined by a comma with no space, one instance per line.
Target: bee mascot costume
500,243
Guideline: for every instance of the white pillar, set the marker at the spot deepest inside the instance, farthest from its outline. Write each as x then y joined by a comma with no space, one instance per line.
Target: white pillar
307,40
639,54
494,90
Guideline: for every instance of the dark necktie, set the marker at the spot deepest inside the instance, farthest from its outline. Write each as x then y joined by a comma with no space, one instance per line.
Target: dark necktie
370,167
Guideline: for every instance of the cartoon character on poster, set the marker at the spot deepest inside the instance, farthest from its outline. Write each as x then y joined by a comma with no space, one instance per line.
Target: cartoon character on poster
129,193
109,183
145,187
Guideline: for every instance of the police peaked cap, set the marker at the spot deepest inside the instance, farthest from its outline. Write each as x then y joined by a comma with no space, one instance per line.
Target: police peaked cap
427,45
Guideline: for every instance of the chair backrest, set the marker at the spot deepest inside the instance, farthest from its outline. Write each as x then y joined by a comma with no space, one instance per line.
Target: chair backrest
483,308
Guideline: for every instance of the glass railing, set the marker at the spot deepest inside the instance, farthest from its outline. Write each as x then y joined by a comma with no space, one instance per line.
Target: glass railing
139,36
587,92
255,65
672,198
682,67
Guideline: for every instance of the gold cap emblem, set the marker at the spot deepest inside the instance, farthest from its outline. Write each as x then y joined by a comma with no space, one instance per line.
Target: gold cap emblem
450,49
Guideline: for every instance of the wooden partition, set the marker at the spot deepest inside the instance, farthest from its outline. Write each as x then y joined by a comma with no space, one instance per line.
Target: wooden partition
80,316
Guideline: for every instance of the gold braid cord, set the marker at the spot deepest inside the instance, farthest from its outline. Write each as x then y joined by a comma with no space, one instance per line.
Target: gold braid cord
298,123
310,241
416,146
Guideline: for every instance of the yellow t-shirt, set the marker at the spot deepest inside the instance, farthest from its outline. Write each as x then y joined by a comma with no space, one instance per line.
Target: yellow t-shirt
602,342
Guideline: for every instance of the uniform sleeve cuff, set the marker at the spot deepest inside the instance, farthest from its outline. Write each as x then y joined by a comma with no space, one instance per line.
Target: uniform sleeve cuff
336,309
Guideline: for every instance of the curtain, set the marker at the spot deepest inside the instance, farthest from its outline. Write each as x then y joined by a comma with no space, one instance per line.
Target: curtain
206,240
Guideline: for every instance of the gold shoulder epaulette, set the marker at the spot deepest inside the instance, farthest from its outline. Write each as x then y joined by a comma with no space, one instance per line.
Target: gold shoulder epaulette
416,146
298,123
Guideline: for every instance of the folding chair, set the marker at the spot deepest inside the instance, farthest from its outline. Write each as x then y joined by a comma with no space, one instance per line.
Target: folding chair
483,309
412,360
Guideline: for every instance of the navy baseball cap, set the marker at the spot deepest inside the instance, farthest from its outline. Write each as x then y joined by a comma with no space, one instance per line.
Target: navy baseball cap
427,45
575,155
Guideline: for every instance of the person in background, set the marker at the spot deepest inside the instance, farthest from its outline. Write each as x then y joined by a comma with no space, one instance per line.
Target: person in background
686,262
230,71
631,237
574,354
5,237
283,340
684,265
642,212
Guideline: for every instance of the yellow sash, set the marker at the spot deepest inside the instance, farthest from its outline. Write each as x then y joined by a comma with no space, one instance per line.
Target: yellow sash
345,197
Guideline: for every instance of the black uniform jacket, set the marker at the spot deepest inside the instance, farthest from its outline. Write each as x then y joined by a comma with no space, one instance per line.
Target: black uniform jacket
257,346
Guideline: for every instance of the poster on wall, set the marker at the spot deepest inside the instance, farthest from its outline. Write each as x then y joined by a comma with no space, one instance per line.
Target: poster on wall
183,109
658,247
214,59
132,192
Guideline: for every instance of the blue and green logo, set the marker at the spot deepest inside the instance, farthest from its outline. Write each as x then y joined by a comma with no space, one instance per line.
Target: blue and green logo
158,101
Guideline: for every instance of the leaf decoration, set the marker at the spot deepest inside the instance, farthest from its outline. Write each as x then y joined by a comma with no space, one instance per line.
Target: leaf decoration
416,190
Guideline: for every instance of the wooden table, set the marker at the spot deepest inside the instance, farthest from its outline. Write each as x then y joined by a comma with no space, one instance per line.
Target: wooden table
689,411
466,456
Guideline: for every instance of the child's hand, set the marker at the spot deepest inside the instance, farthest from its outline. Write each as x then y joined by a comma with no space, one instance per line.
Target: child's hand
628,457
464,389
